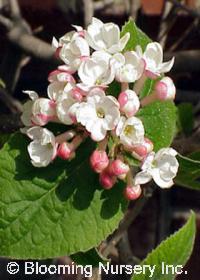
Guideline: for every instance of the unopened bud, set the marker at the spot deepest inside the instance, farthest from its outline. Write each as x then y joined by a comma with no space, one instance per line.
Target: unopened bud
118,168
140,151
165,89
106,180
132,192
99,161
65,151
129,102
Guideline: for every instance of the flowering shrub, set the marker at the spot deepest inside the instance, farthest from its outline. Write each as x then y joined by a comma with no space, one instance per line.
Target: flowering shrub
104,129
79,97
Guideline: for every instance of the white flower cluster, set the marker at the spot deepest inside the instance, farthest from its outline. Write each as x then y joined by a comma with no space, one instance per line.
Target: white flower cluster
78,97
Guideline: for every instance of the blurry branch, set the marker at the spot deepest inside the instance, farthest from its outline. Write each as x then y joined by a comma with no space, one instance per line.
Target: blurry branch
13,104
167,21
188,145
21,43
101,5
15,10
88,9
185,34
10,123
134,8
185,61
191,12
18,35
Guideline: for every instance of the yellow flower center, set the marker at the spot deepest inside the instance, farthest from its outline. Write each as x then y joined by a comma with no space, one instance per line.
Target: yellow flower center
100,113
129,129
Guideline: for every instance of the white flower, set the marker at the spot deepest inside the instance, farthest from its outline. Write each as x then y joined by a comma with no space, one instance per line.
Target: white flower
56,89
67,105
37,111
27,108
130,131
153,57
73,52
162,167
43,111
73,47
128,67
99,114
43,148
96,70
105,37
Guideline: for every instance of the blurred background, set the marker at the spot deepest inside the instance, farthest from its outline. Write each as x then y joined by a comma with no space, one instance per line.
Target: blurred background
26,58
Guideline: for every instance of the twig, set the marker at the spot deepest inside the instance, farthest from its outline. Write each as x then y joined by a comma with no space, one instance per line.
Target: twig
191,12
184,35
165,23
100,5
15,10
7,23
13,104
88,11
134,8
10,123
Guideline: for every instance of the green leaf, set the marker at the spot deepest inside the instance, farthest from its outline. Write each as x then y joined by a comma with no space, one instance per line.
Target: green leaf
175,250
186,117
137,37
54,211
147,88
90,257
159,119
189,171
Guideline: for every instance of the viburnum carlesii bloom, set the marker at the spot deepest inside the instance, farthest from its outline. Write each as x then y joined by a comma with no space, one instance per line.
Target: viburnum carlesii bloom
38,111
99,114
99,160
67,105
162,167
105,37
96,71
43,148
130,131
129,102
153,57
27,108
73,48
128,67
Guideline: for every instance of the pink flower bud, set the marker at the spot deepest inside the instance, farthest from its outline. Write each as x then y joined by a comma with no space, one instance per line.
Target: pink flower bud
65,151
165,89
106,180
140,151
132,192
129,102
118,168
99,161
